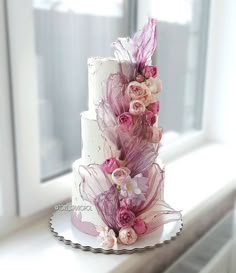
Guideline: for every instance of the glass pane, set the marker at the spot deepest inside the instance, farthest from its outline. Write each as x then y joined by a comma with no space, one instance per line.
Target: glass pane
67,32
181,51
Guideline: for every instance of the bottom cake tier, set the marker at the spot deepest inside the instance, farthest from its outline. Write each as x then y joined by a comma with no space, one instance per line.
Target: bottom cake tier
85,216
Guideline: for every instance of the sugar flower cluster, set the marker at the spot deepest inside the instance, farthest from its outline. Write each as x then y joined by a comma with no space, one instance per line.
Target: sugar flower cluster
143,102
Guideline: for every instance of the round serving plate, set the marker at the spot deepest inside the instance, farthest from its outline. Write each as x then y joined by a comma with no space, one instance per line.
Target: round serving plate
62,228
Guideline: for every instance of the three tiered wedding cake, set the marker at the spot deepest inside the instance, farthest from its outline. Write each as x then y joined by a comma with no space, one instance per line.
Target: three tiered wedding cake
118,178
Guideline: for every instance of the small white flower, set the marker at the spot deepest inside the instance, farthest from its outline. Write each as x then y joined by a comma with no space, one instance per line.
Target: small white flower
107,237
133,188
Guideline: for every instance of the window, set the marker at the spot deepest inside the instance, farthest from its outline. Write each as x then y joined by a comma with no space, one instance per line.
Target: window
181,58
49,43
65,36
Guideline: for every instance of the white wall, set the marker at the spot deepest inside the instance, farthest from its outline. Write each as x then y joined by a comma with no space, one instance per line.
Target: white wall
221,72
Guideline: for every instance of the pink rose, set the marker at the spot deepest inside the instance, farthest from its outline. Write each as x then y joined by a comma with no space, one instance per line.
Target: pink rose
125,121
154,107
127,236
154,134
138,91
125,218
150,117
120,174
149,71
136,107
139,226
154,85
109,165
139,78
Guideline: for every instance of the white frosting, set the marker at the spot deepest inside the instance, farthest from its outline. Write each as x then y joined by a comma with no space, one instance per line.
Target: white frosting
92,140
86,215
99,69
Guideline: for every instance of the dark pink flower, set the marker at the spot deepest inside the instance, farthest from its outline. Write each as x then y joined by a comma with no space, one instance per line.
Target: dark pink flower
150,117
125,218
149,71
139,78
109,165
125,121
139,226
154,107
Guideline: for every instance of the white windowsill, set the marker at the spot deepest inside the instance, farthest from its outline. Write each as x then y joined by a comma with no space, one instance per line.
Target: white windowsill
190,181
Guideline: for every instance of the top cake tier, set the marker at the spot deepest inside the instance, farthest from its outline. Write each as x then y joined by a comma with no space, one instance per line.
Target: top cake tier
99,69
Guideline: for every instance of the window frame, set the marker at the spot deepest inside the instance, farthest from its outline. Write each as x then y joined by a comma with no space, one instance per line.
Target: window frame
7,168
32,195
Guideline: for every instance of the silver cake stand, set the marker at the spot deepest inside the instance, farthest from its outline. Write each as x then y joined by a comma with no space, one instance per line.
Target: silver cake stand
62,228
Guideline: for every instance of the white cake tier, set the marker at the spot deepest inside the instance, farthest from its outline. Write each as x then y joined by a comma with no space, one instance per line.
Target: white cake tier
99,70
86,213
92,139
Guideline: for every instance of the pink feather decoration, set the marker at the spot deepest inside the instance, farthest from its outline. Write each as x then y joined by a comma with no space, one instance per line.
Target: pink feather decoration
159,216
105,116
139,49
94,182
107,204
152,194
144,43
137,153
116,96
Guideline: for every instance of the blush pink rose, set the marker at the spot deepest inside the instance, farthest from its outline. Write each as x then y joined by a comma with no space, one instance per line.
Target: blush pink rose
149,71
138,91
154,85
137,107
125,218
109,165
127,236
120,174
154,107
126,121
150,117
139,226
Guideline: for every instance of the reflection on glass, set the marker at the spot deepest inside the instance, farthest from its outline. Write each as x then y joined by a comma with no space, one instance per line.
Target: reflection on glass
181,51
67,33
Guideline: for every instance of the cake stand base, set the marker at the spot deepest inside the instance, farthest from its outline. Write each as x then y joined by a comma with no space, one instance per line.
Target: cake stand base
62,228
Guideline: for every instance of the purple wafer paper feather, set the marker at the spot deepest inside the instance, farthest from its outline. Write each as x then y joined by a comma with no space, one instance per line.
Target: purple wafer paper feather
93,182
107,204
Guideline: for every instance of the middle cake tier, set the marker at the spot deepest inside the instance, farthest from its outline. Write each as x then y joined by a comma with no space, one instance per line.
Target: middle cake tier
93,142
